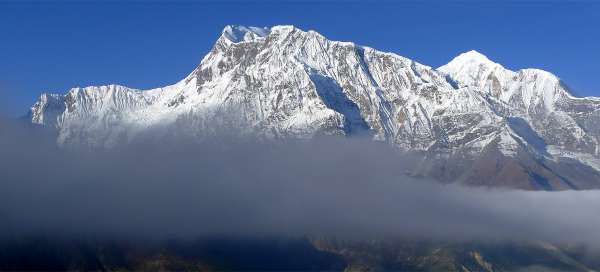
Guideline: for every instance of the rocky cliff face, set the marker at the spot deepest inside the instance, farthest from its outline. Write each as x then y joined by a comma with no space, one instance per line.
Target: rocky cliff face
475,121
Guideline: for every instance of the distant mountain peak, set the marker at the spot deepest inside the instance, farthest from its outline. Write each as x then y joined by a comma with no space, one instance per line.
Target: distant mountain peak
470,62
473,56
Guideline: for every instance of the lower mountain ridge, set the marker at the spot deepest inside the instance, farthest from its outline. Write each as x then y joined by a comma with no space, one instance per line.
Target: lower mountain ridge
474,121
294,255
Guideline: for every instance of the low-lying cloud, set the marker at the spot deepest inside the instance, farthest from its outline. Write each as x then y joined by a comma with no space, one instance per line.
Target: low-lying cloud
323,187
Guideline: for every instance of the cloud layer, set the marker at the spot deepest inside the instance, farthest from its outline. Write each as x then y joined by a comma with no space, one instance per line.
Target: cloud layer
324,187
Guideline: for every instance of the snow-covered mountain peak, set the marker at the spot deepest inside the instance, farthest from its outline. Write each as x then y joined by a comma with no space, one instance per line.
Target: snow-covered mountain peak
283,28
474,56
524,88
470,58
470,67
237,33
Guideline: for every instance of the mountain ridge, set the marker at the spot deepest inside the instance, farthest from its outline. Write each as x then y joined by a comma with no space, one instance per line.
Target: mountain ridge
282,82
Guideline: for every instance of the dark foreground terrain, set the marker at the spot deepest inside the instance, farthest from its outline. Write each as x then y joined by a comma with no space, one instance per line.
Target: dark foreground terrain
290,254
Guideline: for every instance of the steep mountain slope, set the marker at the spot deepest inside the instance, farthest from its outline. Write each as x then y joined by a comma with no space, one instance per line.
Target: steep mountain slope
475,120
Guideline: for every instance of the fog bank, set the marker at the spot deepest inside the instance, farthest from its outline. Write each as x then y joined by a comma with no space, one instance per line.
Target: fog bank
330,187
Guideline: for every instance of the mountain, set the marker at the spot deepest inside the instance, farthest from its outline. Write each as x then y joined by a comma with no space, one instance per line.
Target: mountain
293,255
474,121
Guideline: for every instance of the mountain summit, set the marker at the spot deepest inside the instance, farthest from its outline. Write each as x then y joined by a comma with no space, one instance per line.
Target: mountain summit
467,68
475,121
237,34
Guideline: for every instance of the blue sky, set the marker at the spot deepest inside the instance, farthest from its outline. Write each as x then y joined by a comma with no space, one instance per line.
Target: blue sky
56,45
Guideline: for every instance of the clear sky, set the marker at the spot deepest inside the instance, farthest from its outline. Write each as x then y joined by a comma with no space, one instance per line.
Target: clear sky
56,45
